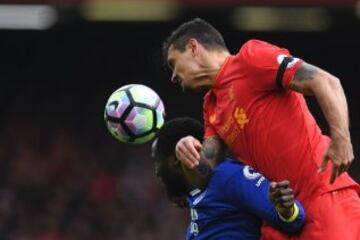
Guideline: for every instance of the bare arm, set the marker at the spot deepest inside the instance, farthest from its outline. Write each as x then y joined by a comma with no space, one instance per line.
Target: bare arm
327,89
190,151
213,150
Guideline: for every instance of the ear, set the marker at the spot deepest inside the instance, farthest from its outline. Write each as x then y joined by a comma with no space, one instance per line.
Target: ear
194,46
153,148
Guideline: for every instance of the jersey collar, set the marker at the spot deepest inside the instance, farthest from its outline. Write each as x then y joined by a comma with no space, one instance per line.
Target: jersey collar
194,192
220,73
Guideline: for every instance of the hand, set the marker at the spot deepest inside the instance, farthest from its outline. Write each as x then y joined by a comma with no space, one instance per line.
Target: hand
340,153
187,151
282,196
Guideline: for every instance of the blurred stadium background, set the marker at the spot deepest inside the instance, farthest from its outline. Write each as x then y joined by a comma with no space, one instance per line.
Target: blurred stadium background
62,176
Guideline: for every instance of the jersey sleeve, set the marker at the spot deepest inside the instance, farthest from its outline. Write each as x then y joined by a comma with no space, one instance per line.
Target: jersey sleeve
248,190
271,67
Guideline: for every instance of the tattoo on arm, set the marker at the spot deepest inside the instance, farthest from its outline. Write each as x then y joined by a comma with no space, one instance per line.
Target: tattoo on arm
213,150
306,72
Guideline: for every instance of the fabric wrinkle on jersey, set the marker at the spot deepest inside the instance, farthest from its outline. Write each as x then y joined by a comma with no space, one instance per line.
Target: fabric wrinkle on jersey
234,204
270,128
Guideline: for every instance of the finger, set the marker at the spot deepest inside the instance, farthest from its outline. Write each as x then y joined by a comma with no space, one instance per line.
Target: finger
273,186
191,150
276,196
197,144
283,184
347,167
349,162
286,191
186,153
323,164
285,199
342,169
181,157
283,195
185,158
334,173
272,190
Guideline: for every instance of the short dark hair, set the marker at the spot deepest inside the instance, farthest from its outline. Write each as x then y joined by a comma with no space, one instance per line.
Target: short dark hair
175,129
197,28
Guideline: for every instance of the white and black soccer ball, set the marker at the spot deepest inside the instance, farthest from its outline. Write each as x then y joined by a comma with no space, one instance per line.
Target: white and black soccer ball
134,113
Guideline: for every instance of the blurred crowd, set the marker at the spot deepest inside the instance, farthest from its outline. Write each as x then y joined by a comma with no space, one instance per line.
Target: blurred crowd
62,185
62,181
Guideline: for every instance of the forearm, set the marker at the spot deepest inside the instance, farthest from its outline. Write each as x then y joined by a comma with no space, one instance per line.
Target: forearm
332,101
331,98
213,151
311,80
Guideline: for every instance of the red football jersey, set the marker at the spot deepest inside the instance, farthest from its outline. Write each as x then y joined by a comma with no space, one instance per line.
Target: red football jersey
266,126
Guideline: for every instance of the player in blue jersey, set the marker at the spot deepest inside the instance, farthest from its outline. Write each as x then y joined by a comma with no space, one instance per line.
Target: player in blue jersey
227,202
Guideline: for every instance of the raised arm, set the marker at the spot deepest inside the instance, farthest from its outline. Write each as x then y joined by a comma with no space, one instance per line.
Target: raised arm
327,89
190,151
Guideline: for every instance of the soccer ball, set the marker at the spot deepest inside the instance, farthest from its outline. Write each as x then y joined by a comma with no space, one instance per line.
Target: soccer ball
134,113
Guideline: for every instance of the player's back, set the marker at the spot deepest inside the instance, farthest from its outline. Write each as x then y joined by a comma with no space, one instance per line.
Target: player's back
234,204
213,214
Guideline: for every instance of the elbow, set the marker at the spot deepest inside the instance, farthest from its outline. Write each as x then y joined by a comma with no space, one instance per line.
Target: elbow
324,84
333,81
333,84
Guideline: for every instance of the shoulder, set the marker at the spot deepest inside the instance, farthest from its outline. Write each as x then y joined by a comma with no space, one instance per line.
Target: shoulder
226,169
235,179
230,169
258,49
228,164
254,45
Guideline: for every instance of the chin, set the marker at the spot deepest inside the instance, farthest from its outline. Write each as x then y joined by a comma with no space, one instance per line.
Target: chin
186,89
193,90
198,90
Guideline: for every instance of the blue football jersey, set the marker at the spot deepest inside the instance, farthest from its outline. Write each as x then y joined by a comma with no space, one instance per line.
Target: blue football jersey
234,204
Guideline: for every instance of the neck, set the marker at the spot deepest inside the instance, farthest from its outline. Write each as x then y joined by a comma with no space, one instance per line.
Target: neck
196,178
213,61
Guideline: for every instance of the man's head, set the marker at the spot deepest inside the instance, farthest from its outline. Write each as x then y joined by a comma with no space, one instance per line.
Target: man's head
170,170
187,49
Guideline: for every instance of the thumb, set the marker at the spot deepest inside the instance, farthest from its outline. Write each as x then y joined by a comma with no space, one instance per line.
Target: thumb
197,144
324,163
272,192
273,185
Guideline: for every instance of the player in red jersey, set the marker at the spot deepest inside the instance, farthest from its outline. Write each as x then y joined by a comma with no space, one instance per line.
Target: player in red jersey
255,107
